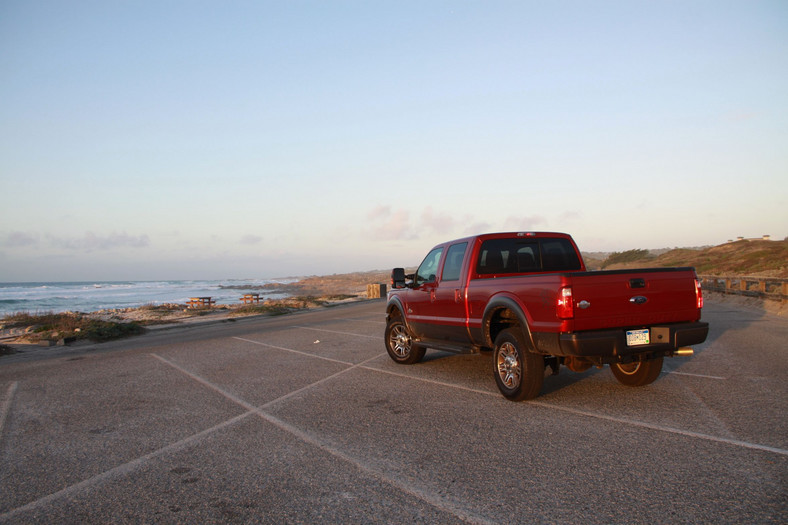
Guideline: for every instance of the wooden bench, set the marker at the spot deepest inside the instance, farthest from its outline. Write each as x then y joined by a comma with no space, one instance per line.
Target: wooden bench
251,298
200,302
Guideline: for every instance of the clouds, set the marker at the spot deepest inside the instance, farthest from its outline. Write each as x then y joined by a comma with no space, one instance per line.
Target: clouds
20,239
89,242
251,239
385,223
522,223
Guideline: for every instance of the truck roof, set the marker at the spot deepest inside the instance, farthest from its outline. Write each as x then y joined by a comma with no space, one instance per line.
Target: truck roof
504,235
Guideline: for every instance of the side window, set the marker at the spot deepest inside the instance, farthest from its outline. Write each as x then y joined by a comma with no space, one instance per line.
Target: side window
453,264
429,267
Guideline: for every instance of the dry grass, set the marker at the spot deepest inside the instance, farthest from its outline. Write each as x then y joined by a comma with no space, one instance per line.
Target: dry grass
70,325
750,258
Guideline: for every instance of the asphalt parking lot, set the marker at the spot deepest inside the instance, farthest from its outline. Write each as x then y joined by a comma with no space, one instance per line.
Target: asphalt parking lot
304,419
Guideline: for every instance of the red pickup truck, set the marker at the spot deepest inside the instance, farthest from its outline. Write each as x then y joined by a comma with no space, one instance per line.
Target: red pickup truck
528,297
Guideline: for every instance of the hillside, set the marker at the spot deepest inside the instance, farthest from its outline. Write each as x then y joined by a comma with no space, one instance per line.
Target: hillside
751,258
745,258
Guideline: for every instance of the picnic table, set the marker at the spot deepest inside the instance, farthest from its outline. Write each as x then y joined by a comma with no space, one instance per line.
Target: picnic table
200,302
251,298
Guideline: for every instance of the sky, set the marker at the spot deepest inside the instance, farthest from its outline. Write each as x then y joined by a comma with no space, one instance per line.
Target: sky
147,140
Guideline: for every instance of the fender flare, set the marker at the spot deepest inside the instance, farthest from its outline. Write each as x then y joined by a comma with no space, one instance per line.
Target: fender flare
504,302
395,303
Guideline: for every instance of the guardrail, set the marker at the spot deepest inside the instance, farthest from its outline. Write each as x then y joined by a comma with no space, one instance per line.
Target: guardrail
764,287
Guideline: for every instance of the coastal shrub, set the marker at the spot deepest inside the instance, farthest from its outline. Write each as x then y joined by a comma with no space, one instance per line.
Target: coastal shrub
626,257
311,300
71,325
101,331
43,321
339,297
260,309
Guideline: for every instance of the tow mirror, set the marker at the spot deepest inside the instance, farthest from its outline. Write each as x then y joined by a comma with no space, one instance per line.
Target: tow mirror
398,278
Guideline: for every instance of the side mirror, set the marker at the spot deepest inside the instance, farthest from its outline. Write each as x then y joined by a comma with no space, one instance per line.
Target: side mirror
398,278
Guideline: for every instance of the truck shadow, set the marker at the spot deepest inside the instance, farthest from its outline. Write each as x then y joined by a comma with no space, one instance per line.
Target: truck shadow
566,378
476,371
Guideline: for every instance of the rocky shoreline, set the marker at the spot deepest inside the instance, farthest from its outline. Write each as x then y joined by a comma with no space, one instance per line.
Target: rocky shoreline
72,327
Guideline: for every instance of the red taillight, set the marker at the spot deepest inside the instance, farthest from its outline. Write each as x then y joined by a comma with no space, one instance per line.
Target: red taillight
698,294
564,308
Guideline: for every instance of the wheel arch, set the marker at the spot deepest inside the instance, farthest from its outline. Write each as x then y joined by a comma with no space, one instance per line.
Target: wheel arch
502,313
394,309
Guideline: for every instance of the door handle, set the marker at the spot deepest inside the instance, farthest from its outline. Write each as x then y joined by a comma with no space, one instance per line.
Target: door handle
432,295
457,295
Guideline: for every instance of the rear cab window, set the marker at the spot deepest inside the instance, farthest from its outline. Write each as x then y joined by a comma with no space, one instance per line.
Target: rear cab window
515,256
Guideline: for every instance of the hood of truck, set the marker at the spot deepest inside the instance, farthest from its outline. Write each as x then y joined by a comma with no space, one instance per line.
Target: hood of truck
633,298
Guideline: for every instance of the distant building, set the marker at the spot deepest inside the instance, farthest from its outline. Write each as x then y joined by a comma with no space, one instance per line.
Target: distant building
764,238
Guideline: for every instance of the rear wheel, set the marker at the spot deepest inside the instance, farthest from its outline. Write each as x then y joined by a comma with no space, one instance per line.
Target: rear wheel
519,373
399,343
637,373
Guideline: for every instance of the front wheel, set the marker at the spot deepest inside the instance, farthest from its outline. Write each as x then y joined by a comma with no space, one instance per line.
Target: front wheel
519,373
637,373
400,345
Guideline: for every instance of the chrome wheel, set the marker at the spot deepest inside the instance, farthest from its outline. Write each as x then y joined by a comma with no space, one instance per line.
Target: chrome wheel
400,341
400,345
518,372
508,365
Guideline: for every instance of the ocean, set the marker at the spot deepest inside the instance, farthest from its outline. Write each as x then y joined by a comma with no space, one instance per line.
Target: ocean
91,296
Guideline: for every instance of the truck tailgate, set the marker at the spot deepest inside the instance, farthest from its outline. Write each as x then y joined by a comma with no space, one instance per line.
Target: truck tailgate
633,298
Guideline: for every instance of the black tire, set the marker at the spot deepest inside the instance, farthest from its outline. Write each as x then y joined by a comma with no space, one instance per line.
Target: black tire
518,373
400,345
637,373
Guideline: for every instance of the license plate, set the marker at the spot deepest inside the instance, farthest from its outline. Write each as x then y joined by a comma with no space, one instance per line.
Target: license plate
637,337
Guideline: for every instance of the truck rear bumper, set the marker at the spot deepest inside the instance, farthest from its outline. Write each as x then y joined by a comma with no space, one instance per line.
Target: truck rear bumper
613,343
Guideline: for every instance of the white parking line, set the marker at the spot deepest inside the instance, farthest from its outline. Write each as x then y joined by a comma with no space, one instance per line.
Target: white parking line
435,500
132,465
661,428
697,375
631,422
120,470
337,332
259,343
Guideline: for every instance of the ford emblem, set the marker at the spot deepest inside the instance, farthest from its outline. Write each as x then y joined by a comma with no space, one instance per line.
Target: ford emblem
638,299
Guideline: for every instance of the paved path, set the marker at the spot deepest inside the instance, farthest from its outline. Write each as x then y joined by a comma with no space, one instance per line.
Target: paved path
304,419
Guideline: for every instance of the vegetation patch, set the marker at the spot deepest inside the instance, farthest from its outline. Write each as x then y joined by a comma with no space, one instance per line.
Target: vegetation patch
750,258
756,258
627,257
70,326
260,309
285,306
